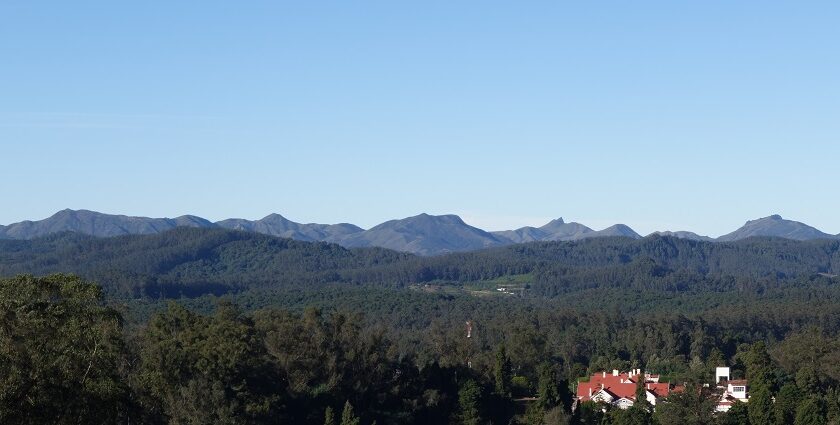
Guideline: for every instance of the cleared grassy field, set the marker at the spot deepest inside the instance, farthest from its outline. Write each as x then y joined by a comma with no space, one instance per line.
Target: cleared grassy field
506,285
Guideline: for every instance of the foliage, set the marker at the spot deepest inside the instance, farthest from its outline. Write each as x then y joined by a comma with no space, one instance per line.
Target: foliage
469,403
758,363
329,416
348,417
195,261
694,405
196,369
556,416
786,403
738,414
502,373
305,327
548,393
635,415
810,412
589,413
760,406
57,340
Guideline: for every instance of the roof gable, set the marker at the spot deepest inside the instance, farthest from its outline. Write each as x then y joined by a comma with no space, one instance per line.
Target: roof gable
621,386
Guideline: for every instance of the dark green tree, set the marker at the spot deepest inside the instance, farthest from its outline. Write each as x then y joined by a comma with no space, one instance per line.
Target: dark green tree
715,359
469,403
808,379
641,395
787,401
61,353
329,416
738,414
695,405
588,413
197,369
548,393
760,406
502,373
348,417
810,412
556,416
634,415
759,367
832,406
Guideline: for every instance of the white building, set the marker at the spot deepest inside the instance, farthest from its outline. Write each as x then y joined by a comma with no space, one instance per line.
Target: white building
734,391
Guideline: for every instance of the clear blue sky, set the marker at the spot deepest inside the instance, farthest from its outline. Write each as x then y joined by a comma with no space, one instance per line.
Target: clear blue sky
661,115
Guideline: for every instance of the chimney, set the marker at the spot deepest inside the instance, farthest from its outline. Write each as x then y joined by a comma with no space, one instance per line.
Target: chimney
590,392
604,374
615,372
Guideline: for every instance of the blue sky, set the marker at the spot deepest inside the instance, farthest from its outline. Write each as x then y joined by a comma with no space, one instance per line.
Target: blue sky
660,115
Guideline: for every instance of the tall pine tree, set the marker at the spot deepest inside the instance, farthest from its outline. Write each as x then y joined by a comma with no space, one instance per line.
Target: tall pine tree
347,415
502,372
760,406
810,412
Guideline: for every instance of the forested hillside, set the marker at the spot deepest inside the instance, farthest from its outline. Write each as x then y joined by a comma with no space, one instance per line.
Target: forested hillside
187,262
394,356
191,262
219,326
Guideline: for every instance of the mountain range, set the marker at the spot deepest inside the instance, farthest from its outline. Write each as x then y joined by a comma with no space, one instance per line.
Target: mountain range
423,234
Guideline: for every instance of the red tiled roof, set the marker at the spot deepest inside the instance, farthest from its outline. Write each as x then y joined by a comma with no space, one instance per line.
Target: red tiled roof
621,386
661,389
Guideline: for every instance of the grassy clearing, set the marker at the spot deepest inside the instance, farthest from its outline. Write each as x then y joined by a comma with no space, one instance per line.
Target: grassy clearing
507,284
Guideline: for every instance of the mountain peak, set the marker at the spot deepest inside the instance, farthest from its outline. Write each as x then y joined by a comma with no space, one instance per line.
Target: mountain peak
775,226
621,230
559,230
429,218
769,218
424,234
274,217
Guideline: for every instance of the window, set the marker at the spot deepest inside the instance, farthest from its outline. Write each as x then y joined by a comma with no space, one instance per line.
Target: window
738,389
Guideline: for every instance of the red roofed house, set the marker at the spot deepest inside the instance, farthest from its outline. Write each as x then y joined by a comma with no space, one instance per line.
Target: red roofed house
619,389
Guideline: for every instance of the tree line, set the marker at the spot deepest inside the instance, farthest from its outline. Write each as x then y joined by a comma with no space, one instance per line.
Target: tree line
191,262
68,356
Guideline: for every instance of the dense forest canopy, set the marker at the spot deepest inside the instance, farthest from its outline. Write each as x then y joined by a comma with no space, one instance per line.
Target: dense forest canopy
216,326
192,262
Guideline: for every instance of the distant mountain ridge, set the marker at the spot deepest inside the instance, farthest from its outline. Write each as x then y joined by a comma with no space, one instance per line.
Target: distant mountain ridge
98,224
776,226
555,230
685,235
277,225
423,234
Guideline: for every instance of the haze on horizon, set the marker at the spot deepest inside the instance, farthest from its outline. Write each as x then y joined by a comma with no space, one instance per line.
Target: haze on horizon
658,115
